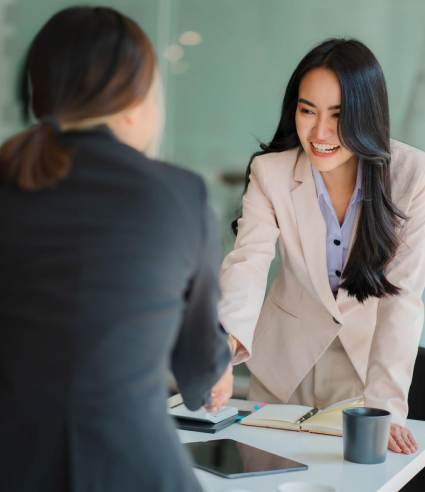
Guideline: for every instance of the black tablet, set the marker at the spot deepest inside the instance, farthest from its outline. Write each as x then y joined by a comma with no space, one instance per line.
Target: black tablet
232,459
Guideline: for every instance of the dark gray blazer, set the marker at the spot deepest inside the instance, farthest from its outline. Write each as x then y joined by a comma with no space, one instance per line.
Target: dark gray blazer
107,280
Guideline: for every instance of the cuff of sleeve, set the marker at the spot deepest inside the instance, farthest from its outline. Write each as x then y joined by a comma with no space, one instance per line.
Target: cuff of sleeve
396,408
242,355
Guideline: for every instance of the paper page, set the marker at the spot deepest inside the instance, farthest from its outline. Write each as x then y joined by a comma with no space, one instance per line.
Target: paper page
175,400
278,413
273,424
357,401
325,422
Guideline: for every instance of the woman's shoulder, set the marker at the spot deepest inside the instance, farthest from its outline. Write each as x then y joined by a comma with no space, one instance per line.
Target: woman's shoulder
407,170
287,157
99,147
97,154
276,167
406,159
180,181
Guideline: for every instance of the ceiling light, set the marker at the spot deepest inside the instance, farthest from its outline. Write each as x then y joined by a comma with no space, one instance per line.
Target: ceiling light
174,52
190,38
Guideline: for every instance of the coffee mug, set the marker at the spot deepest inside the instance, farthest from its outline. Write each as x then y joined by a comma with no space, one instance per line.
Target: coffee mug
365,434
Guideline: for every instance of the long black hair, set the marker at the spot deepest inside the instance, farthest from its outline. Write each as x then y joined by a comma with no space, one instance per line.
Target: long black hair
364,129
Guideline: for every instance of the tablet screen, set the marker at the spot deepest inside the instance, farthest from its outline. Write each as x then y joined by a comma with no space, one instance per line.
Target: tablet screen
232,459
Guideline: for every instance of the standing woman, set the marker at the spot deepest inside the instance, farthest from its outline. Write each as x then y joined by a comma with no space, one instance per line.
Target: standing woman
109,272
347,207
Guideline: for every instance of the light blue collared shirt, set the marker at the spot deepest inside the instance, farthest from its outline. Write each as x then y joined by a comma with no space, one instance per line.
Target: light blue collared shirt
337,237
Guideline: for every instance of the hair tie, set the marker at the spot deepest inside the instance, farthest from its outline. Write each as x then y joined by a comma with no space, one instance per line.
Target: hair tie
52,122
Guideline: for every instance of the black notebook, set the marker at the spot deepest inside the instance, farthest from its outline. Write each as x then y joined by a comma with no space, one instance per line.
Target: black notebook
198,426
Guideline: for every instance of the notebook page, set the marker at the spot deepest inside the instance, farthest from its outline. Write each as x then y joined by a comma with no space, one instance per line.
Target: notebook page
278,413
327,423
357,401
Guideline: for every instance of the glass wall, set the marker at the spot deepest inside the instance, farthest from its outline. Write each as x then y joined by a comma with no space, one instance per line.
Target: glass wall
225,64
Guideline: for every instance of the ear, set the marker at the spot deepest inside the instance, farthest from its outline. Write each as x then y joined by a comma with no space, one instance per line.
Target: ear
130,118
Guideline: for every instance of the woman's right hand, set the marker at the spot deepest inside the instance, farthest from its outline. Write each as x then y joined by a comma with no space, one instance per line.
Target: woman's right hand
222,391
401,440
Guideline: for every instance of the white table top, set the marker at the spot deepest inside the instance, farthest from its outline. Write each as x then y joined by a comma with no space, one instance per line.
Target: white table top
322,454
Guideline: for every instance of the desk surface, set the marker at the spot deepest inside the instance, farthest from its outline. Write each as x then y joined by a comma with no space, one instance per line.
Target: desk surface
323,455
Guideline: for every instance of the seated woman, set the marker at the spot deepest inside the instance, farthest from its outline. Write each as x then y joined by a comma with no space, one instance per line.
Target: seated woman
109,264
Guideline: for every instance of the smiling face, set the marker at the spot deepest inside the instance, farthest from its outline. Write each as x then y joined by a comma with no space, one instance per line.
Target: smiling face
316,119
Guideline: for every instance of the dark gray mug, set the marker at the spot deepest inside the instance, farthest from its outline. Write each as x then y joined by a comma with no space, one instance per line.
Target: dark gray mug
365,434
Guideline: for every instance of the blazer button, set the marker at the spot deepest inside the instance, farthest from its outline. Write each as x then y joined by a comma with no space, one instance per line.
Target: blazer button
336,321
337,273
337,242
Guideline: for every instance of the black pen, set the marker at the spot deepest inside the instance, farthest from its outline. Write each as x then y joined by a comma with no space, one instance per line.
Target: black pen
308,415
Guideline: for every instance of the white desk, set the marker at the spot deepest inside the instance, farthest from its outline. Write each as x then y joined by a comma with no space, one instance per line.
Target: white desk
323,455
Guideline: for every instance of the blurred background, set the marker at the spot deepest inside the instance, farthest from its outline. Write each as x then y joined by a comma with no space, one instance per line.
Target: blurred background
225,65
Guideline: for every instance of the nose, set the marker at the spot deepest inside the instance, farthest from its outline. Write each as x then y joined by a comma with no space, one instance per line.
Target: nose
323,129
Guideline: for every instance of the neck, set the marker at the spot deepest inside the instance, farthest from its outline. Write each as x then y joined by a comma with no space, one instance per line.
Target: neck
343,178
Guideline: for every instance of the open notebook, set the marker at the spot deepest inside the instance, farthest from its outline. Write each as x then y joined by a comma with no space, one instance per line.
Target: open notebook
327,421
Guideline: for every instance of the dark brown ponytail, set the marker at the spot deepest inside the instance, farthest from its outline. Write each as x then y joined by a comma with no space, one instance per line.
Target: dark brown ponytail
34,159
85,64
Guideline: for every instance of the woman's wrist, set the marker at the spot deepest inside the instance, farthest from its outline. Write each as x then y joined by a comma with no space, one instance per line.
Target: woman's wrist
234,345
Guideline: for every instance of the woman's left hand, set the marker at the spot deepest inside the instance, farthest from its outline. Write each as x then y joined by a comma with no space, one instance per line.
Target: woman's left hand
401,440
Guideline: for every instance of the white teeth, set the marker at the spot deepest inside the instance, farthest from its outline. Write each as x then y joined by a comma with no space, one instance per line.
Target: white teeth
325,149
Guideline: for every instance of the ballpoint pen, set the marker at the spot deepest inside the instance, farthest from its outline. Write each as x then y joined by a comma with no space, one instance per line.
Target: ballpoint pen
308,415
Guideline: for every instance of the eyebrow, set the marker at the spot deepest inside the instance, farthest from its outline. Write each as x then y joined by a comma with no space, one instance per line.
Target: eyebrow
332,108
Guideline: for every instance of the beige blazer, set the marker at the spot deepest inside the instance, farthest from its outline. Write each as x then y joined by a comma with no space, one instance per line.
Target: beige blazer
300,318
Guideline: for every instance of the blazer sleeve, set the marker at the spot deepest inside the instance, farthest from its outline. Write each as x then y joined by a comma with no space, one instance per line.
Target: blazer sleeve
399,319
244,272
201,353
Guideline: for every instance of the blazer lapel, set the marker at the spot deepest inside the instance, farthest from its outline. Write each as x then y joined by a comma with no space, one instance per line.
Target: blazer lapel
312,230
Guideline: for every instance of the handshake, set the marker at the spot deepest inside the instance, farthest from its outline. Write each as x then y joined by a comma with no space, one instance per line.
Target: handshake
223,389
